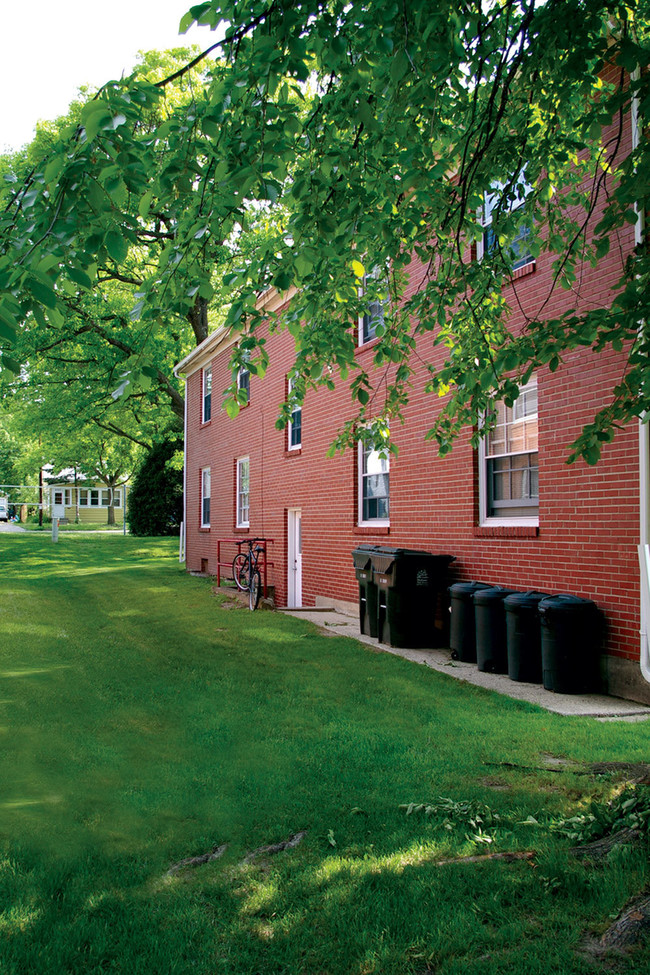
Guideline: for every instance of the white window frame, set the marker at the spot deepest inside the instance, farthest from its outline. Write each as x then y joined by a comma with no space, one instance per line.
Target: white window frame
291,425
206,494
489,204
375,314
83,497
244,376
363,474
242,497
244,381
486,519
206,394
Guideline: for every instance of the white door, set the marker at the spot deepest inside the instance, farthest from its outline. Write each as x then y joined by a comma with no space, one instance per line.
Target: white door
294,558
58,507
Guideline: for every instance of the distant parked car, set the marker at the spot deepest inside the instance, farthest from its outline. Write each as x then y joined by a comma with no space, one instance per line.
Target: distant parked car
4,512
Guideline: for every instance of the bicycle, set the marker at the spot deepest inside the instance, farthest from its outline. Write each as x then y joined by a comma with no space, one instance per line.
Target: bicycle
246,573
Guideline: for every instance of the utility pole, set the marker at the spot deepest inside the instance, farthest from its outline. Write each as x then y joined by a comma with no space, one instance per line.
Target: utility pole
40,497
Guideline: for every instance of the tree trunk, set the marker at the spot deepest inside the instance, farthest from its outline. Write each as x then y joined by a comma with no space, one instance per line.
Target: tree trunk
198,319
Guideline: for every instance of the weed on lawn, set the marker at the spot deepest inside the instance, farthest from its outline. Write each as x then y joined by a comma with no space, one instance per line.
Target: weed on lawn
190,789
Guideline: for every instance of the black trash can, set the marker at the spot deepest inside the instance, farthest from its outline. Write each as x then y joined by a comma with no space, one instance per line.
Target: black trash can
462,637
412,588
523,636
571,634
367,589
490,621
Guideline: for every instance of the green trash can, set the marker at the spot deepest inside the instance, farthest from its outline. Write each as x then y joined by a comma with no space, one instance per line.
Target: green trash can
411,588
571,635
524,636
490,621
462,637
367,589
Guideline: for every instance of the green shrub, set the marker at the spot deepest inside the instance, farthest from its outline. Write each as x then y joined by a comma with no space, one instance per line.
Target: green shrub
155,500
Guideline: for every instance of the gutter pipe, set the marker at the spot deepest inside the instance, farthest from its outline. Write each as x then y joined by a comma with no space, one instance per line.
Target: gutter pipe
644,441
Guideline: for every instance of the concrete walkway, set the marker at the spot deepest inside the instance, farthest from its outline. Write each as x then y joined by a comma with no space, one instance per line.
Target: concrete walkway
586,705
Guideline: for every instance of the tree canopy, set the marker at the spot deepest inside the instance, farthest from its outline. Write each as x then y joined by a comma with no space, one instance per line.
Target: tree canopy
367,131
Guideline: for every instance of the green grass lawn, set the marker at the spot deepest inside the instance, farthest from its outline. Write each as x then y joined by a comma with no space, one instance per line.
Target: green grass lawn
142,722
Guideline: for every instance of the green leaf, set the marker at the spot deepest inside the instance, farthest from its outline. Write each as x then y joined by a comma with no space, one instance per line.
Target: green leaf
363,396
79,277
283,281
55,317
116,246
7,332
42,292
10,364
206,290
232,408
145,203
8,323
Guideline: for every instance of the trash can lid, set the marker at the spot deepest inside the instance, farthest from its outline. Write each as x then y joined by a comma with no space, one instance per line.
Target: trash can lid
468,588
483,597
524,600
361,556
564,602
383,557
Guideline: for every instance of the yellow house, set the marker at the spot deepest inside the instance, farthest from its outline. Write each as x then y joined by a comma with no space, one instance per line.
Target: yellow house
90,502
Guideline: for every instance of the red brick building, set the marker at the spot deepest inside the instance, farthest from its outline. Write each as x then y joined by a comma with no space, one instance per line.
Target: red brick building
512,512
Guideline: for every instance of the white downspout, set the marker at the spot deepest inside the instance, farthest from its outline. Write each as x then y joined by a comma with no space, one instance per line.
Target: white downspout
182,557
644,445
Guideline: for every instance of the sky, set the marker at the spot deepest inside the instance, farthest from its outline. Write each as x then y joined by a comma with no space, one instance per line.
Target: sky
48,48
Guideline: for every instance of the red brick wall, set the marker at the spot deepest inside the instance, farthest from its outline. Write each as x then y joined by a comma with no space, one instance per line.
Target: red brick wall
588,517
588,521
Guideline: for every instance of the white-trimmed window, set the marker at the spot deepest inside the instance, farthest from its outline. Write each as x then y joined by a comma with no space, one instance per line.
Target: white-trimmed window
63,496
243,492
374,314
206,490
518,251
294,427
508,463
244,381
95,497
206,398
374,484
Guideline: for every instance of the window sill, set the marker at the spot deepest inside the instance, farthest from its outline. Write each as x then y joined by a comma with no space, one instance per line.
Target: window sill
506,531
293,451
370,344
242,529
372,530
204,528
522,272
205,423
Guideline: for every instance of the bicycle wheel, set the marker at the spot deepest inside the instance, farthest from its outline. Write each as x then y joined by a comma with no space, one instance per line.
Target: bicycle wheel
254,590
240,571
